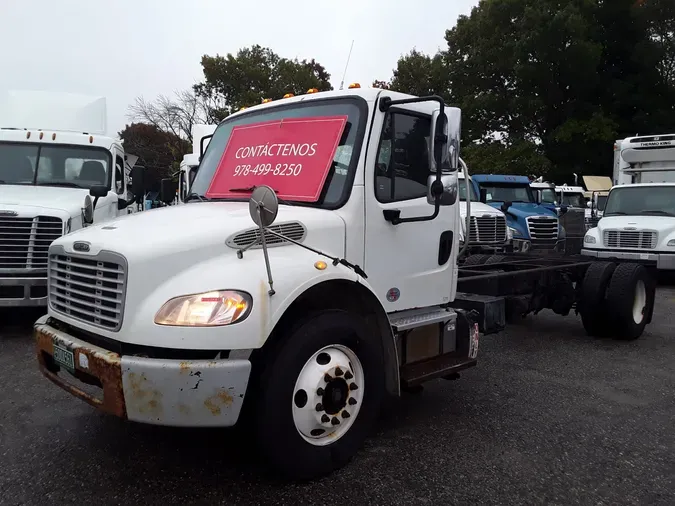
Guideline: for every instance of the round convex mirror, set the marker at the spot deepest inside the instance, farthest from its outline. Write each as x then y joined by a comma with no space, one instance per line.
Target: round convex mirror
88,210
264,199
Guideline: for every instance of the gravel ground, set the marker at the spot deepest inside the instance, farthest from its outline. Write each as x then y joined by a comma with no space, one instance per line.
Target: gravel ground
548,416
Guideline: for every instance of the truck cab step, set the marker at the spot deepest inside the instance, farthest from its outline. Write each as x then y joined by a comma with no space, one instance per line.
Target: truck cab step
437,367
414,318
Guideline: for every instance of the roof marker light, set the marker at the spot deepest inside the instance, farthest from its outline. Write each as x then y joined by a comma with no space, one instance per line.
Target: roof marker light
312,90
354,85
288,95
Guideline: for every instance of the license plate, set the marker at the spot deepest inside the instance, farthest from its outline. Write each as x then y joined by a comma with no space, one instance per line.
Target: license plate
64,358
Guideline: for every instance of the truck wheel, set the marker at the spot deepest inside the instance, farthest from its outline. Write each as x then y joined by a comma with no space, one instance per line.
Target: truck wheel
319,395
594,314
495,259
631,296
476,259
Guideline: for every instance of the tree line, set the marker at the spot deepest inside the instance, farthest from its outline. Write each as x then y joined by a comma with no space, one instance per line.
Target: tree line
545,86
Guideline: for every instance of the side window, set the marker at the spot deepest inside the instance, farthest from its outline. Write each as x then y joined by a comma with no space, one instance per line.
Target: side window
402,167
119,175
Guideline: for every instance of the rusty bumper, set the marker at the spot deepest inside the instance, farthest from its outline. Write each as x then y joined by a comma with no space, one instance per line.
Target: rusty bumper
198,393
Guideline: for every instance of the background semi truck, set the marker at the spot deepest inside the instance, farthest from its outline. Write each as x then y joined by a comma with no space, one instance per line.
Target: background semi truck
534,226
299,306
55,163
190,164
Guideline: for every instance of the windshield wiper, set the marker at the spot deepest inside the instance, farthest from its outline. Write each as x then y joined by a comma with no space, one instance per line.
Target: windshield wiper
616,212
657,211
248,189
64,184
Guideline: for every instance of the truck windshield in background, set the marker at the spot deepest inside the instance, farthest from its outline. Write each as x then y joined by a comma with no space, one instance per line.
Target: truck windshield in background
56,165
573,199
462,191
337,185
645,201
499,192
602,201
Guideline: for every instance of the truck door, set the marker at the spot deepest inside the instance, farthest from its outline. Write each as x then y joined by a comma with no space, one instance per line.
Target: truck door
409,264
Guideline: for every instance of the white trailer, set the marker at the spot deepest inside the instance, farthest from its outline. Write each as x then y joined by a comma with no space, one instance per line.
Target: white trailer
647,159
311,280
59,172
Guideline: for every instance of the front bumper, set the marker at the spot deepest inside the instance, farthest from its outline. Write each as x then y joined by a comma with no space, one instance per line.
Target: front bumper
23,292
663,261
195,393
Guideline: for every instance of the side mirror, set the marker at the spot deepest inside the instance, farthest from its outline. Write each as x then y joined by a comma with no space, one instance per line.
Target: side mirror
201,145
98,191
589,204
167,191
483,195
138,183
505,206
447,189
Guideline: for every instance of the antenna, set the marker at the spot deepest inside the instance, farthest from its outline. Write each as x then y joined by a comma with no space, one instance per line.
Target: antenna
342,83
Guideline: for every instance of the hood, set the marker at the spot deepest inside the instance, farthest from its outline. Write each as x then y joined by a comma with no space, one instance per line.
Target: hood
661,224
525,209
52,198
196,231
478,209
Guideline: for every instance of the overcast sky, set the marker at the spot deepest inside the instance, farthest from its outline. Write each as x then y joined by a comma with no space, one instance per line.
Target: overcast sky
125,48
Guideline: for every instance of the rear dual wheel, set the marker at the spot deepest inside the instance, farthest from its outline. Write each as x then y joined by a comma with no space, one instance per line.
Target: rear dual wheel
617,300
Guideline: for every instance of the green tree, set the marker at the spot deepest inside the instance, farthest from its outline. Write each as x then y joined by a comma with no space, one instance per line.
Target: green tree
419,74
254,74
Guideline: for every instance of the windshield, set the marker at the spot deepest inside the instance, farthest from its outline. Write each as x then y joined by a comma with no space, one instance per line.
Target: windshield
573,199
648,200
54,165
462,191
505,192
602,201
337,185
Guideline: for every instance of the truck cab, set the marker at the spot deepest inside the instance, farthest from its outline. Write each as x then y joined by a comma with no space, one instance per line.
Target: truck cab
534,226
312,278
638,225
59,172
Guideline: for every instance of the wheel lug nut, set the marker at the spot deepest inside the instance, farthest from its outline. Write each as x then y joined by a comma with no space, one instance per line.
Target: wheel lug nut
319,391
348,375
335,421
338,371
327,378
325,419
353,386
319,407
345,414
351,401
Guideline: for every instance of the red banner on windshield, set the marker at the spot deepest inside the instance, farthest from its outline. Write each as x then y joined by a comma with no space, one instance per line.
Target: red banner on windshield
292,156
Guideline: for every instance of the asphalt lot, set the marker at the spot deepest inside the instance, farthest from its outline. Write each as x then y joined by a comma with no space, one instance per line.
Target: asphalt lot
548,416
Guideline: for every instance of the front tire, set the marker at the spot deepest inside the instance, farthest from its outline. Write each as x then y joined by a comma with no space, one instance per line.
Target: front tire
319,396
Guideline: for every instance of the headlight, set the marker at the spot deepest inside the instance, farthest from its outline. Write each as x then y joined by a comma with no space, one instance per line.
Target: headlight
205,309
671,242
514,232
509,233
589,239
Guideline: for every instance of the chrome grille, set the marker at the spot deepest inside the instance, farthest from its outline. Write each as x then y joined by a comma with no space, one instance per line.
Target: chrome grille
293,230
90,289
487,230
543,231
24,242
632,239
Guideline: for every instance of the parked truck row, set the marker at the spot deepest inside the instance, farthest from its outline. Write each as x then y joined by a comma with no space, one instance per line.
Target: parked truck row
320,264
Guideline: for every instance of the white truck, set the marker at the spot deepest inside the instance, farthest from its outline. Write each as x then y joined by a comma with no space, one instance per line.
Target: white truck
56,164
311,280
488,231
638,225
201,135
646,159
